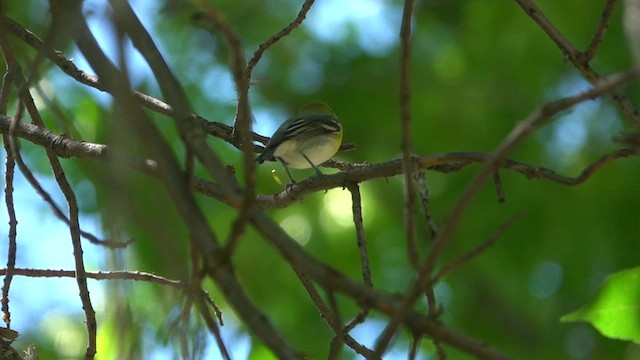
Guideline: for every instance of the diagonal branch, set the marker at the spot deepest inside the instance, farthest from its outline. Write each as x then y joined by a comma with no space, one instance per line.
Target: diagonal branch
190,131
364,295
216,265
603,25
576,57
446,270
525,128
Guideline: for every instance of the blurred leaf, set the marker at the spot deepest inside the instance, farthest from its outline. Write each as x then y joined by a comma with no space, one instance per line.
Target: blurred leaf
615,311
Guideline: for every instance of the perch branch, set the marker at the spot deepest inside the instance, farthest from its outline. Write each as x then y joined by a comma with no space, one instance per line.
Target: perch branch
446,163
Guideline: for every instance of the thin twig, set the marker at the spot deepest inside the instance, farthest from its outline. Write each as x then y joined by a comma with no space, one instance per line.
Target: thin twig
488,242
356,201
525,128
69,194
426,208
497,182
218,21
99,275
330,318
407,157
44,194
243,121
404,98
10,164
603,25
415,345
214,128
571,53
331,278
203,306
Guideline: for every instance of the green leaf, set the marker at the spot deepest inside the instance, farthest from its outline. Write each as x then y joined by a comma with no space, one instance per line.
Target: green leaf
615,312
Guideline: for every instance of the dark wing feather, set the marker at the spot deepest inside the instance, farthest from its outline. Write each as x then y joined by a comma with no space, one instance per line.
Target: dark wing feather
302,127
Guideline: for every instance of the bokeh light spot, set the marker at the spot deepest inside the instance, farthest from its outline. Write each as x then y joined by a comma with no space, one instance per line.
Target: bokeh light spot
545,279
297,227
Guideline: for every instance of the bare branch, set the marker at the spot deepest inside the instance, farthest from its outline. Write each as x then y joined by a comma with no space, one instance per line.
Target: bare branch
424,196
446,270
330,318
446,163
217,20
69,194
497,182
206,248
407,147
243,122
576,57
13,230
172,176
8,141
99,275
203,306
603,25
356,200
450,226
364,295
190,131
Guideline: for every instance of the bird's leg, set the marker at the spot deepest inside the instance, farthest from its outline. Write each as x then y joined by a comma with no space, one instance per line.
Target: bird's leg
318,172
286,168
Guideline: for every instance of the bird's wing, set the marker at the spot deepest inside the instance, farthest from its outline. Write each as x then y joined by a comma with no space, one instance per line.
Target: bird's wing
301,127
311,125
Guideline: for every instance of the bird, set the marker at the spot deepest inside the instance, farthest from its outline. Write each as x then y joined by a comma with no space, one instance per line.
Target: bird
306,140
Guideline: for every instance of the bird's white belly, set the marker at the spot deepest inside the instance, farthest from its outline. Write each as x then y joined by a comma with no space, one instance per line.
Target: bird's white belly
318,149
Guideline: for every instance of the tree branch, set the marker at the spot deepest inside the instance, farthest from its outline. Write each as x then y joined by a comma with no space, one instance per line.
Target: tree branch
68,192
99,275
576,57
408,167
364,295
603,25
525,128
446,163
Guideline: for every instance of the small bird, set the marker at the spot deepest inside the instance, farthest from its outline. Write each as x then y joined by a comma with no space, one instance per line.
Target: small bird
306,140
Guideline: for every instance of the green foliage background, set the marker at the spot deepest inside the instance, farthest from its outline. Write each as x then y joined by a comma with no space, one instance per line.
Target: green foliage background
478,69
